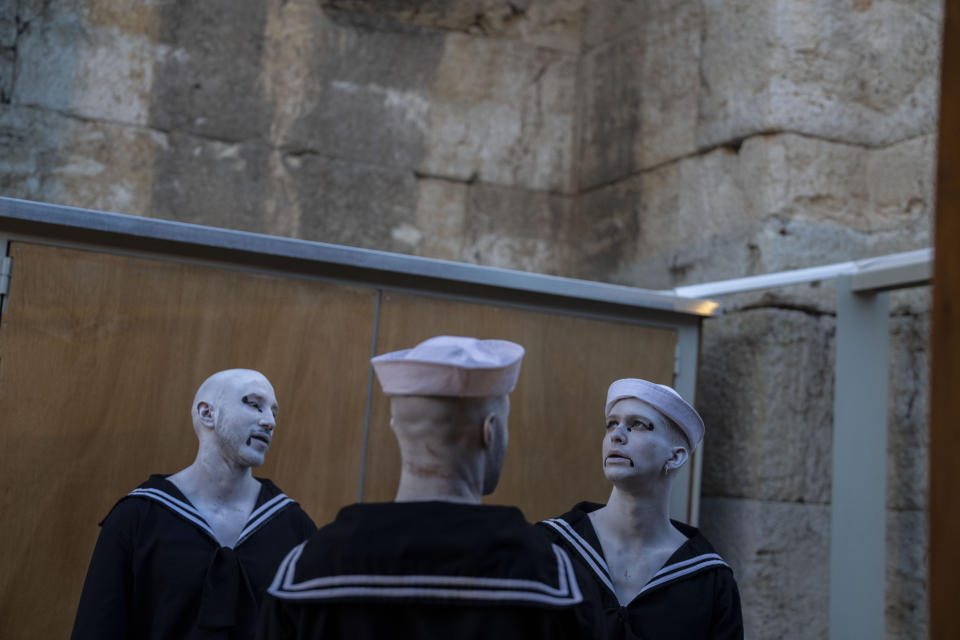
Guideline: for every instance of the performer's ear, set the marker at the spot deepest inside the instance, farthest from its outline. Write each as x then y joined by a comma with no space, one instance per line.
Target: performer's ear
678,456
206,415
489,431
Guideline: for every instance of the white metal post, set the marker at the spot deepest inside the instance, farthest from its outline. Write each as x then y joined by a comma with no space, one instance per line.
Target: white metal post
858,511
6,267
685,494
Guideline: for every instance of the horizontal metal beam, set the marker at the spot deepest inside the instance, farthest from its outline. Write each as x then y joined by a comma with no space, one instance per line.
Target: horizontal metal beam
893,276
197,240
883,273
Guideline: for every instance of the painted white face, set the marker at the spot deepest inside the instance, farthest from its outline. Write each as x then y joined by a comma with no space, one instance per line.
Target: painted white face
246,419
637,442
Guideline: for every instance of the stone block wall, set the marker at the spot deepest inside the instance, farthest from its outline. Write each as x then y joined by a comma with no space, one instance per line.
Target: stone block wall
653,144
300,118
766,392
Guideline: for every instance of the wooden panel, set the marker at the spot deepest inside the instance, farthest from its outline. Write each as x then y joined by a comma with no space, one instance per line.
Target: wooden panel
101,356
944,563
556,418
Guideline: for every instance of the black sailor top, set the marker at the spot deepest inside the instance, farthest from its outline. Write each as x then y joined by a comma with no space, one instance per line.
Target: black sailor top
428,569
159,573
693,597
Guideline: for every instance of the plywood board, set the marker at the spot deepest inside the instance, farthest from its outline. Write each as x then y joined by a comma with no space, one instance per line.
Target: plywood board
100,356
556,419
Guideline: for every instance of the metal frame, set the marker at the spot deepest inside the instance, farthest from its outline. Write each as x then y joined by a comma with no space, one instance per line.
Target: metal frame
685,382
290,254
368,398
893,271
859,487
6,267
383,271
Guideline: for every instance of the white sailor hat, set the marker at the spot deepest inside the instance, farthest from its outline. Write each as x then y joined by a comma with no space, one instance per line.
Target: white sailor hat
451,366
663,399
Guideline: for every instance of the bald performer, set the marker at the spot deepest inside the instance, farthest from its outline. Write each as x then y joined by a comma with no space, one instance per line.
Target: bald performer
655,577
436,562
189,556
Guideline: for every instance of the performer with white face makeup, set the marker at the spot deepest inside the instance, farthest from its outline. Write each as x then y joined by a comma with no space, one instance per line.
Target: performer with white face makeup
656,578
190,555
435,563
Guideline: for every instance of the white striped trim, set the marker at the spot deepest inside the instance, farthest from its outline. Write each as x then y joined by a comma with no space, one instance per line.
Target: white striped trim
177,506
262,514
676,566
427,586
281,574
676,575
566,526
594,560
257,518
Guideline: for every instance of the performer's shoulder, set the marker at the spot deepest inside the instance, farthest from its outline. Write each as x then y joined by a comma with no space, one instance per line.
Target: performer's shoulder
574,518
698,549
127,511
695,538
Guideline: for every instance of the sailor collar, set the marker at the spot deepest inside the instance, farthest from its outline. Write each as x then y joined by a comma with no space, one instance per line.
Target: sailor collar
692,557
482,554
270,502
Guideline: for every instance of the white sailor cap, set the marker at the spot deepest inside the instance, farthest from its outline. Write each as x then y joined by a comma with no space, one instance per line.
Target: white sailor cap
451,366
663,399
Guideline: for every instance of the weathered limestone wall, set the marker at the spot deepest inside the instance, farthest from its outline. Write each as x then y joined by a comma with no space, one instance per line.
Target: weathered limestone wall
653,143
756,137
298,118
768,469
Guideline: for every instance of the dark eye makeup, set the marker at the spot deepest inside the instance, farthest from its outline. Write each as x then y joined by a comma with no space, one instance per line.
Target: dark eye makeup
635,424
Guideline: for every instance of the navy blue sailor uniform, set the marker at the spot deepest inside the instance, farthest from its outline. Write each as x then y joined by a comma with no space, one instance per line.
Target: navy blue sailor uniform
427,570
159,573
694,595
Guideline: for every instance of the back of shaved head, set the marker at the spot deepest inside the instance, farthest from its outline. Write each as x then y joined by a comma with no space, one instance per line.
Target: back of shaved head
439,419
449,445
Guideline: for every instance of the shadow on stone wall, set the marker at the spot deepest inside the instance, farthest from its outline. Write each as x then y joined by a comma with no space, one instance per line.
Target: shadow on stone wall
284,121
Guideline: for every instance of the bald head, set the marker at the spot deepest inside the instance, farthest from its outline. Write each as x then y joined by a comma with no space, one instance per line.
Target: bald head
451,437
212,390
234,417
440,419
